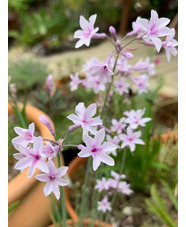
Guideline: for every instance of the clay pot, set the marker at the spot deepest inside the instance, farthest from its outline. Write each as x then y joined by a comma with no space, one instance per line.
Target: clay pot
86,223
34,208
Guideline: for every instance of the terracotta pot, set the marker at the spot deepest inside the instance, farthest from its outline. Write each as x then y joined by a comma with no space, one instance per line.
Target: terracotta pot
34,208
168,100
86,223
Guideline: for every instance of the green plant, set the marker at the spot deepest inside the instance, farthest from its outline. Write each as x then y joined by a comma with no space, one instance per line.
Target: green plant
53,104
144,160
39,25
158,207
26,74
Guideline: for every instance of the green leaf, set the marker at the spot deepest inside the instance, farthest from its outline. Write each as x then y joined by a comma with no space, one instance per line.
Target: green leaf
170,194
12,207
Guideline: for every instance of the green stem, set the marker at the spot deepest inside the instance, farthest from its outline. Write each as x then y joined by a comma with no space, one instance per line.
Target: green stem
115,192
108,89
62,197
84,193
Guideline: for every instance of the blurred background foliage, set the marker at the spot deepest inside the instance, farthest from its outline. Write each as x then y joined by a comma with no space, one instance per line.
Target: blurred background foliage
34,21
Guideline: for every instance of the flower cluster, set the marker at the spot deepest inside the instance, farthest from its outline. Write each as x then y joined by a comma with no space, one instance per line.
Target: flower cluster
34,153
110,185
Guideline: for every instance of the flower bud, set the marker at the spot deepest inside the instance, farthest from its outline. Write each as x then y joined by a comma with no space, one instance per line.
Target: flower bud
46,122
73,127
112,31
49,84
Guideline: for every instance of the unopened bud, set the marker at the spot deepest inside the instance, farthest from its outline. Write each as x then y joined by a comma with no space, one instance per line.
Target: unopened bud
49,84
46,122
73,127
112,31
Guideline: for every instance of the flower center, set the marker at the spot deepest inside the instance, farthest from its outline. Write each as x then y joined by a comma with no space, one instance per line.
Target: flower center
52,177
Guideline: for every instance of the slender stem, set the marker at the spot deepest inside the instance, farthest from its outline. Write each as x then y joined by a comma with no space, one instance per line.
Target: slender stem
51,141
115,192
111,41
84,199
128,43
110,84
70,145
66,136
62,197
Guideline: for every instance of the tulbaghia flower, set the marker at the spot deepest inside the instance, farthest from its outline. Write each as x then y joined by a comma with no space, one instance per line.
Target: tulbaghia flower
25,136
141,82
134,118
97,150
32,157
136,28
87,32
103,70
102,184
113,182
94,82
75,81
121,86
170,44
50,150
47,123
124,188
53,179
154,29
145,66
118,126
123,67
88,68
85,118
104,205
115,140
131,139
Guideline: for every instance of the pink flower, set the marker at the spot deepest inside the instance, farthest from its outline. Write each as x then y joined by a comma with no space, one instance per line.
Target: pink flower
53,179
135,118
104,205
124,188
25,136
170,44
118,126
85,118
123,67
88,68
145,66
47,123
115,140
117,177
32,157
154,29
102,184
50,150
141,83
103,70
121,86
131,139
95,83
75,81
96,149
136,28
87,31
